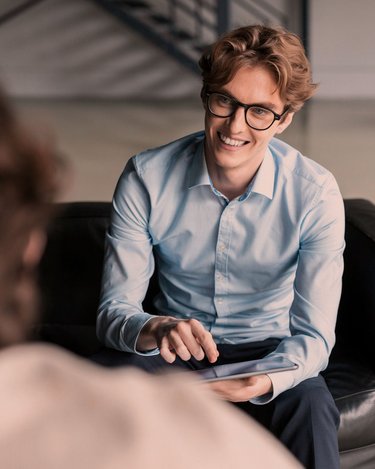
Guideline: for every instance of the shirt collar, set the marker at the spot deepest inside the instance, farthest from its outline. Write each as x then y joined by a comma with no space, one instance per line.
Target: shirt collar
198,172
263,182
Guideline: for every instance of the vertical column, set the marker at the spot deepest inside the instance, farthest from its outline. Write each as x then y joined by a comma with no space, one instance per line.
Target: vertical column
223,16
305,25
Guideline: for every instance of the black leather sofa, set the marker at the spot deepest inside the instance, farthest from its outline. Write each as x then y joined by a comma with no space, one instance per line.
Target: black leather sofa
70,274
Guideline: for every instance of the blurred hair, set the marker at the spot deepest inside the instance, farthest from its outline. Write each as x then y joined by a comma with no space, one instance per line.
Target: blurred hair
280,51
29,181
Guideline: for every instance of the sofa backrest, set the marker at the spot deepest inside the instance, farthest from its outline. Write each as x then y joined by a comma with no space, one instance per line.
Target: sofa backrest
355,330
71,268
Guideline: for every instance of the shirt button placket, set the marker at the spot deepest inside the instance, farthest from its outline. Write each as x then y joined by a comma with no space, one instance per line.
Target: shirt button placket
221,261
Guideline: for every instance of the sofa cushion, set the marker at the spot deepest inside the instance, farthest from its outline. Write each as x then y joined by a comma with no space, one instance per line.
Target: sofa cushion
353,388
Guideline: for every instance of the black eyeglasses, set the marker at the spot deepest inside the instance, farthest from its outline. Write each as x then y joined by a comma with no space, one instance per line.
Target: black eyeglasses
256,117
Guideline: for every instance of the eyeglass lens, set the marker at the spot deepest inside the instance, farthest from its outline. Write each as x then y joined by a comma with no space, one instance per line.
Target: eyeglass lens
256,116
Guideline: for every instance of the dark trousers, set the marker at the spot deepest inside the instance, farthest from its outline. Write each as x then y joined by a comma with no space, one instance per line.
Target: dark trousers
304,418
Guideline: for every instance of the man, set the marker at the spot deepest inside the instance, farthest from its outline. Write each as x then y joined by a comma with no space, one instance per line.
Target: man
248,237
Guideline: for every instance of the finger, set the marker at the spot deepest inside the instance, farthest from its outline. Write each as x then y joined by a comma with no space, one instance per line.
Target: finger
244,389
190,341
261,384
235,390
178,344
165,350
205,339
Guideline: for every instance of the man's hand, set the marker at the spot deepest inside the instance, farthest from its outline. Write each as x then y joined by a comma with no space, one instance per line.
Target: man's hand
178,337
242,389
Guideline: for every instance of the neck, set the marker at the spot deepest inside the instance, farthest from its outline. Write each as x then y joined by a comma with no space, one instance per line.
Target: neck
231,182
231,187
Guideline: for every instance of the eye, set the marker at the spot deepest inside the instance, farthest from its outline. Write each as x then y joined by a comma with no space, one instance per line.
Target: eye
224,100
259,111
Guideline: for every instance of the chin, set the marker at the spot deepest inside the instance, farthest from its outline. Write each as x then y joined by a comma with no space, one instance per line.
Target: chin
228,162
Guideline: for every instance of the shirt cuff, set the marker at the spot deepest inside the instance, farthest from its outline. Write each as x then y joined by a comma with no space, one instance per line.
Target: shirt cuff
131,330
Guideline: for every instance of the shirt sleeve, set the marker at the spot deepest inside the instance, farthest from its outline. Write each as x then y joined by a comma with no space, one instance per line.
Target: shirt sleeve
317,291
128,266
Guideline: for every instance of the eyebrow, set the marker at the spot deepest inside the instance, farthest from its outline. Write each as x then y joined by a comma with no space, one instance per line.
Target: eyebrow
265,104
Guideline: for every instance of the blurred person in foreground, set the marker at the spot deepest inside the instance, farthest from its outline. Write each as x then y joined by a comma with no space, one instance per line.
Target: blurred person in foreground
247,235
58,411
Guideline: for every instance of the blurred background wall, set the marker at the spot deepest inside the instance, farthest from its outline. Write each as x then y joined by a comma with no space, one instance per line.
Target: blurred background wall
108,91
342,38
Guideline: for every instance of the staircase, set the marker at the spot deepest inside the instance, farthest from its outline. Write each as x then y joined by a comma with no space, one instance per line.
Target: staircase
11,9
184,28
76,49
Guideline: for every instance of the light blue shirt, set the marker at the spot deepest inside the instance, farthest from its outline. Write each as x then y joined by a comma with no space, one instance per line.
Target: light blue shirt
266,264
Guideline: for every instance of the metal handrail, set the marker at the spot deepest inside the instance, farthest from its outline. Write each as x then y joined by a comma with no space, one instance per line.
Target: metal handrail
193,12
264,11
265,6
16,11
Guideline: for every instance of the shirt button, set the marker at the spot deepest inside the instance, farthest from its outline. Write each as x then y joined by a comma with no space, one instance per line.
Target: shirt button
222,247
219,301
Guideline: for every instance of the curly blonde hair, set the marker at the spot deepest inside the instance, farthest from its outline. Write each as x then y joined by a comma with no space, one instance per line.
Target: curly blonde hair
280,51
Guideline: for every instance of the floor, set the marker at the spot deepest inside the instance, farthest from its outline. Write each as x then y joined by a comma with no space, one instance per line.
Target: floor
98,137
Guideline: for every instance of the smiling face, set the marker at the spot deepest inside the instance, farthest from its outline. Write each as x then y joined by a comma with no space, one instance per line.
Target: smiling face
231,146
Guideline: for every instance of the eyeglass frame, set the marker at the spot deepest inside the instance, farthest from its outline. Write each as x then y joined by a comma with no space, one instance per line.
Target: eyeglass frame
276,116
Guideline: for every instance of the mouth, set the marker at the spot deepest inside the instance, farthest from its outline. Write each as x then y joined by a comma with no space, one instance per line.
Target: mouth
231,141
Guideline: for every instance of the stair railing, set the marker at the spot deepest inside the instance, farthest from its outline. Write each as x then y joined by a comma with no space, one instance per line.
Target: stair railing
183,28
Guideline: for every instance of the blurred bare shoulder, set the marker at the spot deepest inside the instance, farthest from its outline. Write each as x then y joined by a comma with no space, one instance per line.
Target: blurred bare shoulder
55,405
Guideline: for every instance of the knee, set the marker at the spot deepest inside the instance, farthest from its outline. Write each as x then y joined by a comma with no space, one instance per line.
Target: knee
313,399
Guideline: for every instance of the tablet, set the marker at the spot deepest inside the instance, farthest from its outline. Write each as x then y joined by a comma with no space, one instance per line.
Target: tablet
248,368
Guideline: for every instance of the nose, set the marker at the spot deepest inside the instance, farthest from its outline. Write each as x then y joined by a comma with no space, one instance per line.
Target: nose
236,122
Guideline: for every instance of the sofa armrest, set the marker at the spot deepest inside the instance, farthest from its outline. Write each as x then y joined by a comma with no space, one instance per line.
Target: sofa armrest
70,276
355,329
361,214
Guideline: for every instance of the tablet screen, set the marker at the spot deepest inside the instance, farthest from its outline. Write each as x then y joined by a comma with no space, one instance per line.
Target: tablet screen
248,368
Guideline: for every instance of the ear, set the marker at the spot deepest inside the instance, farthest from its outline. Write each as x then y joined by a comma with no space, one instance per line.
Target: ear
34,248
284,124
204,103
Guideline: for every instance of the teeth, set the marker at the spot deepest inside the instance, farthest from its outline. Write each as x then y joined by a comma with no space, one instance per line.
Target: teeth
230,141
